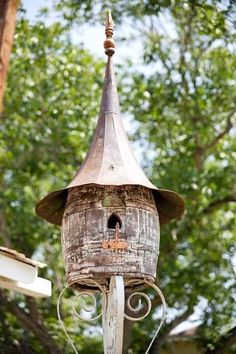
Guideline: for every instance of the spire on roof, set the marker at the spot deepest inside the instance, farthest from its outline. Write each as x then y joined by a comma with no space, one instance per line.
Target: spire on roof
110,160
109,43
110,100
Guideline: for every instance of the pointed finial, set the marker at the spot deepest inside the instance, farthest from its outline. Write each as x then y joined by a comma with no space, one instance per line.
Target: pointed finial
109,43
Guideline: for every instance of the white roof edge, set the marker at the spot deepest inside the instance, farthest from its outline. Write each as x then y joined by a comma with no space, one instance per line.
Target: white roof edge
20,257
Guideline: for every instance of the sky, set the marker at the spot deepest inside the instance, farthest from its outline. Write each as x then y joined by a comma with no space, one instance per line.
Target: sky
92,36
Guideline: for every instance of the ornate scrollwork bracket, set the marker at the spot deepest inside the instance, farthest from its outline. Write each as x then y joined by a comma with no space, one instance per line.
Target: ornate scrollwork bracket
113,310
149,307
85,308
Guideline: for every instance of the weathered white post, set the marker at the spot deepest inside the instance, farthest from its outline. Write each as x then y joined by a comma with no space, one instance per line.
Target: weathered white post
113,316
110,216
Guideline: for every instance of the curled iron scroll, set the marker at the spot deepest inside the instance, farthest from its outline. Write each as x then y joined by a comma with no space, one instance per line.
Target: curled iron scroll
149,306
90,308
85,308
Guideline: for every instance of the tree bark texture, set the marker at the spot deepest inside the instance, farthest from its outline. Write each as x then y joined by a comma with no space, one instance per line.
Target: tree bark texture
8,9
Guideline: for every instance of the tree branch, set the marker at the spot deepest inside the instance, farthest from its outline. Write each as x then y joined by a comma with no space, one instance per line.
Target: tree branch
184,43
168,328
218,203
201,149
228,126
223,345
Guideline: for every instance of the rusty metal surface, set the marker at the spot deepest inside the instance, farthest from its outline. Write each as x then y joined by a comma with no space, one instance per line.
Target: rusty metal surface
110,161
115,243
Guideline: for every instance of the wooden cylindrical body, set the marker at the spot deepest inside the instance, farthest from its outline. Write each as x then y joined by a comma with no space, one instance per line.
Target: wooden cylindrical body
92,246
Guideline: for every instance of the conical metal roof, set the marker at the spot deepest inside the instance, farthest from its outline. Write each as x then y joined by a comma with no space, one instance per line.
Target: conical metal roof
110,160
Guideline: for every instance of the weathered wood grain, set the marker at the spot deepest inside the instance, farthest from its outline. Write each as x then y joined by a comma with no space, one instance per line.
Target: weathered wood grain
85,227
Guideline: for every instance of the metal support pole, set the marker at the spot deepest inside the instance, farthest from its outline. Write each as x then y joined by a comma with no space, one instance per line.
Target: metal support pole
113,316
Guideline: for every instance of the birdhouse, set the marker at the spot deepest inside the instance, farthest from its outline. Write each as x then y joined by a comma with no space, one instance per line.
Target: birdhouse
110,214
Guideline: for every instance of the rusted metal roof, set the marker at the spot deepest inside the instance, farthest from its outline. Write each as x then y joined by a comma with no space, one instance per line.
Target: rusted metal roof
20,257
110,160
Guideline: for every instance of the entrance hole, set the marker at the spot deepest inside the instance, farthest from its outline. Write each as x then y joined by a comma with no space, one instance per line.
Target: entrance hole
113,220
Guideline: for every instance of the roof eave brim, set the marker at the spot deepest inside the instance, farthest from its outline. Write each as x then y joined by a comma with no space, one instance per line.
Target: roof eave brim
170,205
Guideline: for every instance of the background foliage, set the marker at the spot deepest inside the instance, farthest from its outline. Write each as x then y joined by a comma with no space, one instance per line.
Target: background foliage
183,108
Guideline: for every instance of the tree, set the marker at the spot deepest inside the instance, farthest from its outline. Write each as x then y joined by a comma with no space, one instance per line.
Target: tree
184,105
